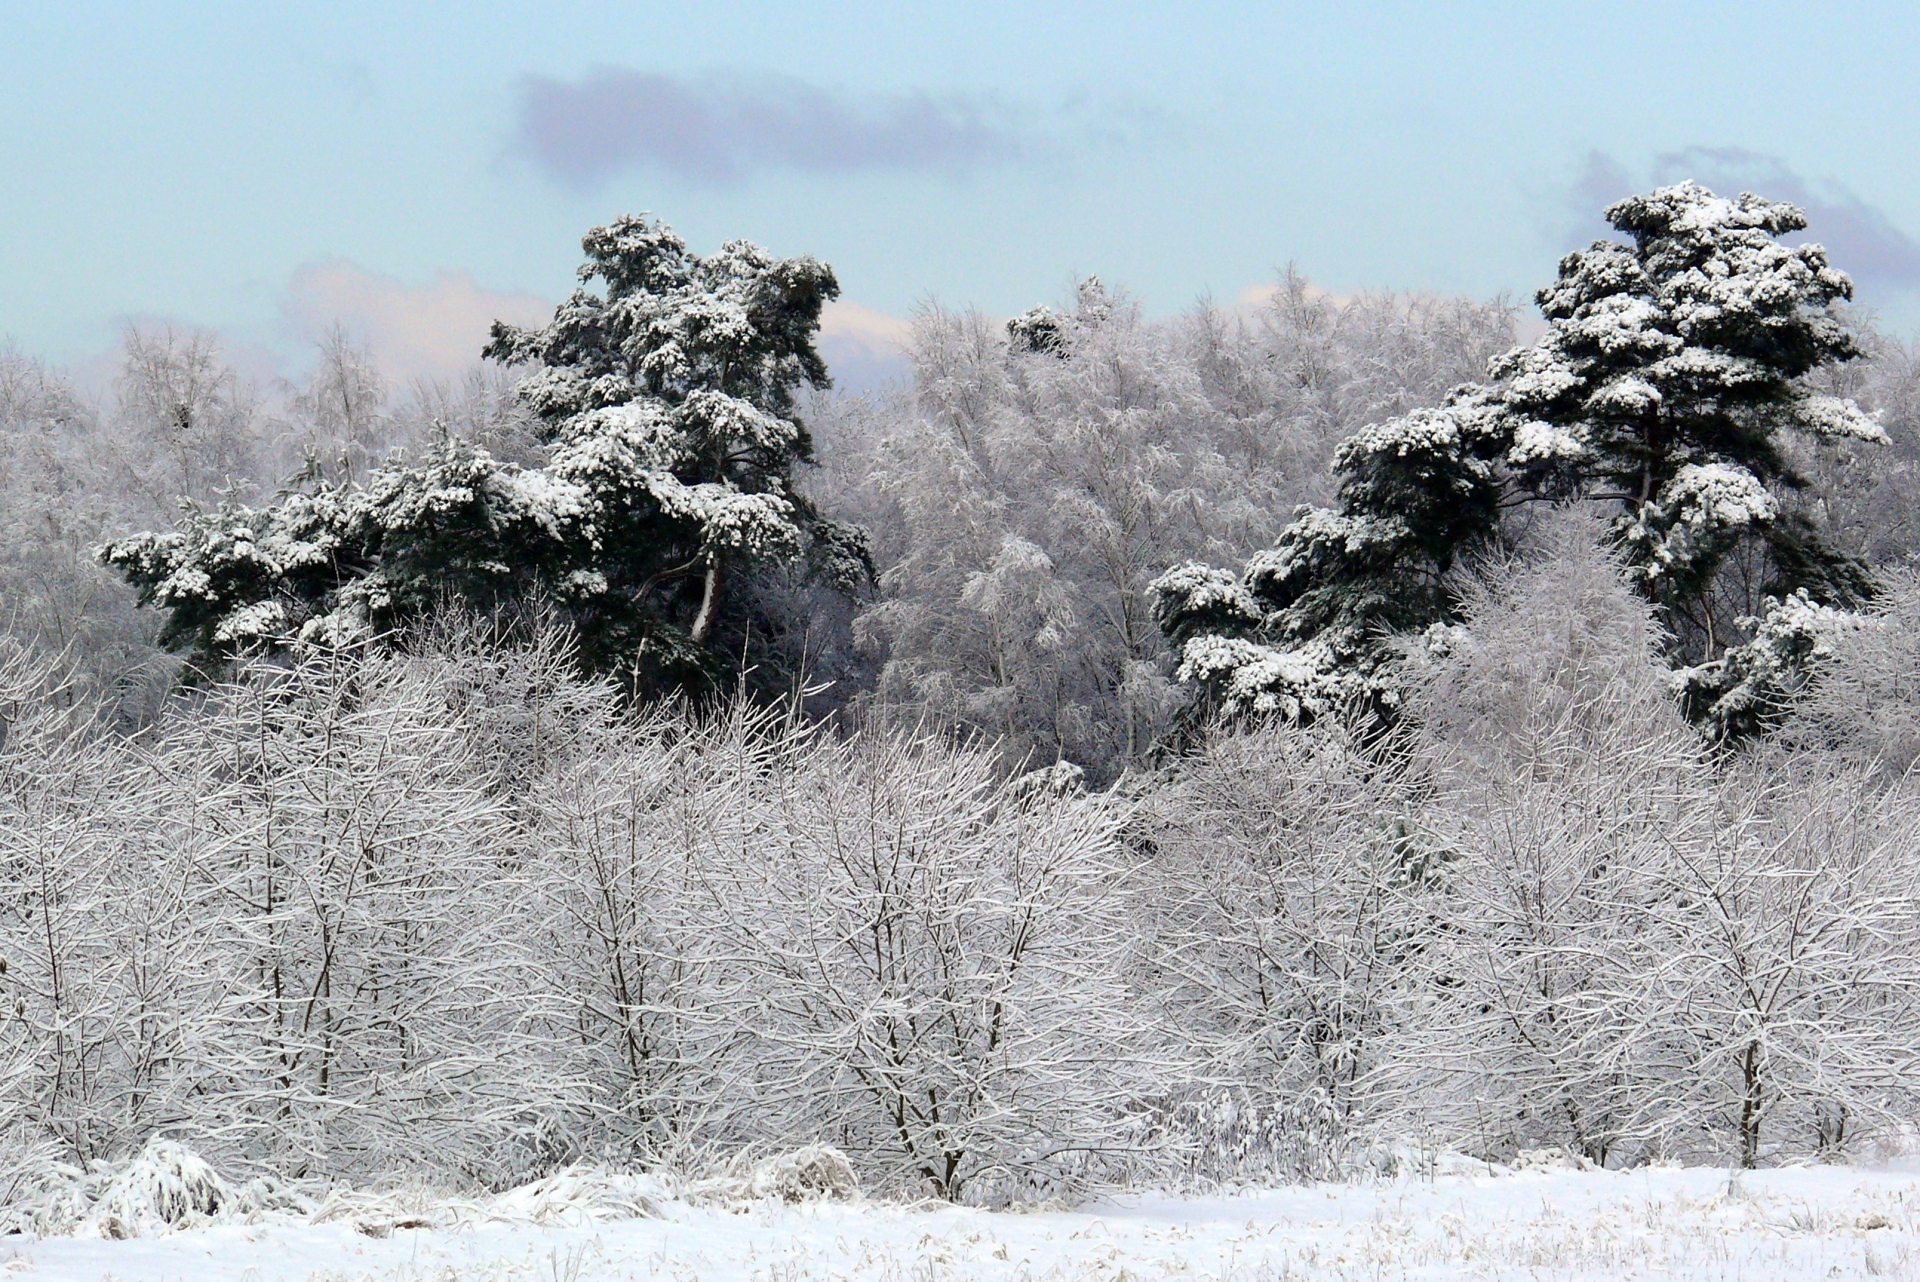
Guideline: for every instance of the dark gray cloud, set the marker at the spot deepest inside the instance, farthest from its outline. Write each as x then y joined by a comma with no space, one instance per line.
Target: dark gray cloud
1861,239
717,128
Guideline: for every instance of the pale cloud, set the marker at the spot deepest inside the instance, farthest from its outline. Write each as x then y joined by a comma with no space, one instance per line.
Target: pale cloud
1254,299
430,330
852,324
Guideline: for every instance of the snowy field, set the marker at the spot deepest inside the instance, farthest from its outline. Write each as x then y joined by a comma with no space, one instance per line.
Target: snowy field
1560,1224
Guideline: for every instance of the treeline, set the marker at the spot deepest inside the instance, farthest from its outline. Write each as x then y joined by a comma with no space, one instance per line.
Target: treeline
455,909
639,753
1018,507
980,545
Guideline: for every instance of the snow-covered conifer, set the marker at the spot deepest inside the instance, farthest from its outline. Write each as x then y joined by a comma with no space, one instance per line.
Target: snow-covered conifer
666,404
1670,368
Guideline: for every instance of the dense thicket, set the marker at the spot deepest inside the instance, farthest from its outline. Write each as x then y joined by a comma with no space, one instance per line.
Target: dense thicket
461,910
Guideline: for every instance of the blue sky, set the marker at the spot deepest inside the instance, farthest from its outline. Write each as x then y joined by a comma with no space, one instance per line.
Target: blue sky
413,169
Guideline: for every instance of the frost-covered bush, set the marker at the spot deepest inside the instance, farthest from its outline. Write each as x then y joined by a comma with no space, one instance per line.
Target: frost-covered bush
1246,1136
1562,778
165,1184
108,986
162,1186
274,924
813,1173
935,974
1790,985
1278,858
1633,950
776,937
356,861
613,832
457,913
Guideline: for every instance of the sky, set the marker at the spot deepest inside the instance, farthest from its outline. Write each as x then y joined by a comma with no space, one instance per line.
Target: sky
412,171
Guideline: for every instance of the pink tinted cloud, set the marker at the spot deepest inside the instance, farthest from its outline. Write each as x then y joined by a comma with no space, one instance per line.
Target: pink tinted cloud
865,349
436,329
430,330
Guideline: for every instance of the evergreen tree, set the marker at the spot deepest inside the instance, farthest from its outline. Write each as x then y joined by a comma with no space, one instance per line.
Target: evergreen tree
1669,370
667,408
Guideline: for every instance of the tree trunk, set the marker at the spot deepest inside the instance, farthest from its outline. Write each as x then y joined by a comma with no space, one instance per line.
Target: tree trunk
709,602
1750,1106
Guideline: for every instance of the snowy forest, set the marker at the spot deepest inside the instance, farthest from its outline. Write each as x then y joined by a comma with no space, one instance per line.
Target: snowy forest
1230,748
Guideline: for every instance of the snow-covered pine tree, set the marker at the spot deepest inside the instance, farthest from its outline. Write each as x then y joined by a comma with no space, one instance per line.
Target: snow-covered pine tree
671,401
1668,372
666,404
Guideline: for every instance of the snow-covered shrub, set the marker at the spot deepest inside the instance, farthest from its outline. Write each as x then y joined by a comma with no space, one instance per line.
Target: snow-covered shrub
41,1195
450,915
1636,952
812,1173
818,1172
161,1186
785,937
514,691
1561,777
1276,860
382,1011
272,926
1790,982
575,1195
936,972
614,837
1543,916
1251,1135
167,1185
110,985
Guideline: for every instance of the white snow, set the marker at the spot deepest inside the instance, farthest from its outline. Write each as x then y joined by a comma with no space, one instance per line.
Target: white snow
1537,442
1718,494
1264,679
1820,1222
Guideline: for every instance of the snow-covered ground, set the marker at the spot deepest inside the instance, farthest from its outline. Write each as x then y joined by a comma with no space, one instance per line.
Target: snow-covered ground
1555,1224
